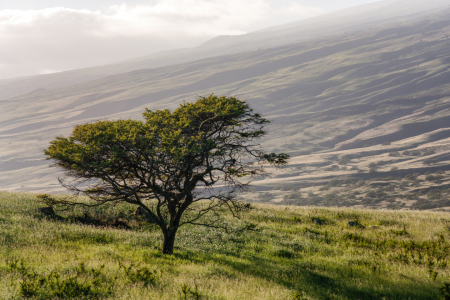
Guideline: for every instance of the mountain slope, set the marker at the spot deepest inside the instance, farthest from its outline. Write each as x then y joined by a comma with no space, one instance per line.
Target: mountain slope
393,12
344,95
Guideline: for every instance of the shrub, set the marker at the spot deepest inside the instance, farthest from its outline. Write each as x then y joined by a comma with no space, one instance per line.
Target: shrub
135,273
344,161
334,183
445,290
329,197
434,195
266,197
431,152
284,254
289,187
299,296
411,176
332,168
433,177
333,157
371,194
187,291
292,196
429,161
373,165
81,282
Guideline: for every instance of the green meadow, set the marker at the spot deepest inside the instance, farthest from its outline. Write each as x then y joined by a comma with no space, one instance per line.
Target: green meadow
293,253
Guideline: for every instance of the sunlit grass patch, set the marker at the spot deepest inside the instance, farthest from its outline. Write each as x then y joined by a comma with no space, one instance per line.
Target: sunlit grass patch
394,255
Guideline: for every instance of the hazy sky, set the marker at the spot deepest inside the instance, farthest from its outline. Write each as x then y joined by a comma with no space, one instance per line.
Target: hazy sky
44,36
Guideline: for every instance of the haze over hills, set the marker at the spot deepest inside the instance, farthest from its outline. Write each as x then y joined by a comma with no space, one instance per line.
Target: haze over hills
358,95
339,22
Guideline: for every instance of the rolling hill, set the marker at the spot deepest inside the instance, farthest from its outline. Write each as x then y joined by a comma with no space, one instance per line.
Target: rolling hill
368,97
294,253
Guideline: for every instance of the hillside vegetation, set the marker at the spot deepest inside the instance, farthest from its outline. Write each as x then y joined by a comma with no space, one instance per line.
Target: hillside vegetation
293,253
369,103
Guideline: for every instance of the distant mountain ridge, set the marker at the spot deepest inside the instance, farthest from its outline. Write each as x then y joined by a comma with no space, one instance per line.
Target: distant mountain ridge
338,22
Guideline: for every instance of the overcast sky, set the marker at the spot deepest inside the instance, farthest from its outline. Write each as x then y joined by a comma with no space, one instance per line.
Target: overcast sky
45,36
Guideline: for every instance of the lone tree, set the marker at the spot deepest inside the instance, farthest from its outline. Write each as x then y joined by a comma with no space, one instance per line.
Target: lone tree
169,163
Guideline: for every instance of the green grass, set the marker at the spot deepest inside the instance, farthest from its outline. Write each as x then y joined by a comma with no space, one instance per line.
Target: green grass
289,256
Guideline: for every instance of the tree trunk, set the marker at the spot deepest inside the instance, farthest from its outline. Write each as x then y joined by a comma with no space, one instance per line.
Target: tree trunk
169,241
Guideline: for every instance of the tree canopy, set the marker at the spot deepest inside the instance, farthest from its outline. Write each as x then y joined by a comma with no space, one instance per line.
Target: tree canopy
200,152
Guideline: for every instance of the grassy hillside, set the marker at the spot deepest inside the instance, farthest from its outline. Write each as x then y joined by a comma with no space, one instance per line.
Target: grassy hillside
294,253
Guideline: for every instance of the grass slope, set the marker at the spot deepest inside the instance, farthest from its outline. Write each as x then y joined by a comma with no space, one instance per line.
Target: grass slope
393,255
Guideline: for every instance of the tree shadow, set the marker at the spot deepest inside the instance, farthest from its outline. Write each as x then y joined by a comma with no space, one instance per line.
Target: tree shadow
340,282
91,220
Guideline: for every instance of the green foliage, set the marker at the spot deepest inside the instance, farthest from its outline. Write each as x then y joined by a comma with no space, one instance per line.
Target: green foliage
299,296
81,282
164,164
433,274
134,273
445,290
397,255
46,199
186,292
284,253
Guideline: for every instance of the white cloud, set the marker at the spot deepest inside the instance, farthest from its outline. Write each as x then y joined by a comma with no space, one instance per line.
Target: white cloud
62,38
